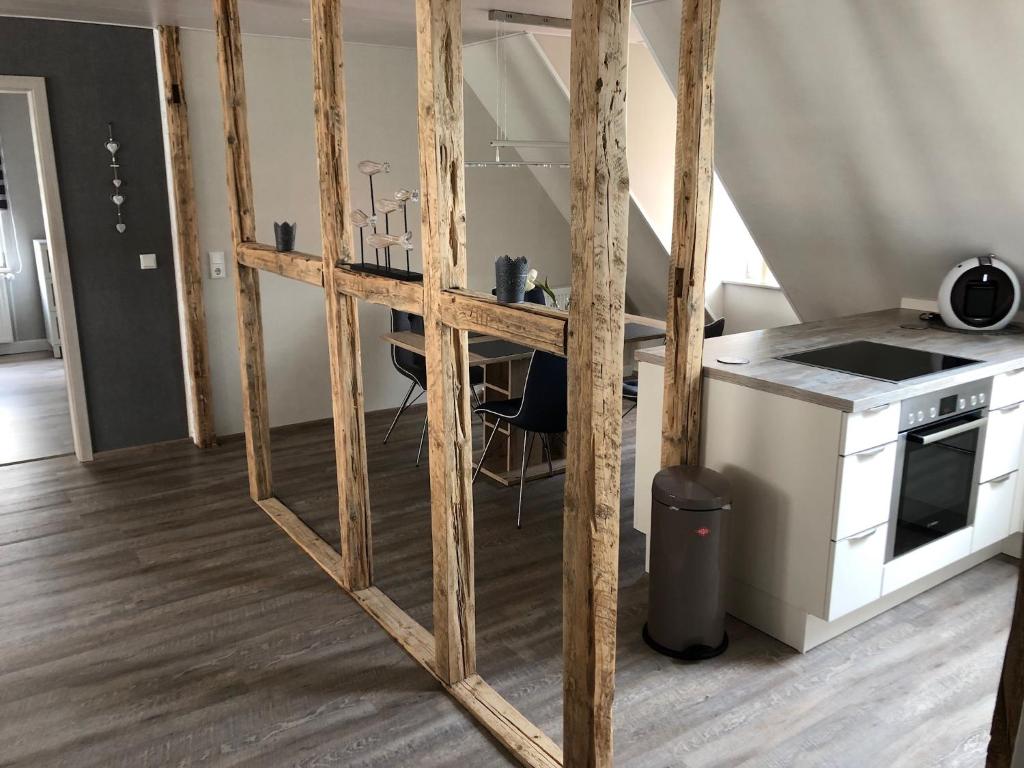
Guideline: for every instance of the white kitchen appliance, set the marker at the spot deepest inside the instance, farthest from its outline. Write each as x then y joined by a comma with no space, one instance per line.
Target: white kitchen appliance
980,294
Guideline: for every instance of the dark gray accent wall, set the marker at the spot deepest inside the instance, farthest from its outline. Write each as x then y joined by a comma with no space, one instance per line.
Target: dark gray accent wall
127,318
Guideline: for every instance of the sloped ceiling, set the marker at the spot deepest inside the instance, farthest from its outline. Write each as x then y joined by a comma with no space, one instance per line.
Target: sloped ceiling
869,146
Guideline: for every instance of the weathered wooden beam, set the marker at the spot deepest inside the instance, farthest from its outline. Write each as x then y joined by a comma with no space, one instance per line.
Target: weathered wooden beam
255,417
598,234
378,289
304,267
342,309
1006,717
694,180
188,268
443,204
532,325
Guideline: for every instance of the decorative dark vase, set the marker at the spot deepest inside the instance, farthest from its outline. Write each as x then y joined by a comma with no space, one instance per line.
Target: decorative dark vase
510,279
284,233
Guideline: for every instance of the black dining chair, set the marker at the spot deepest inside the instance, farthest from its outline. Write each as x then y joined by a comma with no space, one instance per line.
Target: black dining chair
631,384
542,410
413,366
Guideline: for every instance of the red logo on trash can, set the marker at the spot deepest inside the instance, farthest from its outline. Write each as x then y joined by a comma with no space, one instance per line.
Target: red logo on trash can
703,531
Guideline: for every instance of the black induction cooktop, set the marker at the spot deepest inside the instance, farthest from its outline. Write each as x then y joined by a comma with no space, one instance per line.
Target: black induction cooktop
879,361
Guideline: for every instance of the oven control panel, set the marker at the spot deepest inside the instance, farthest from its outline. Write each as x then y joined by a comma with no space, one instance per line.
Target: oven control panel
945,403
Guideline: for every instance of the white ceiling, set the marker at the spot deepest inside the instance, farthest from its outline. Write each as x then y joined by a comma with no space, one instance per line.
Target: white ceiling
384,22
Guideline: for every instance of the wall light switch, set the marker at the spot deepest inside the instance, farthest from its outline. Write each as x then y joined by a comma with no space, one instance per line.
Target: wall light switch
147,261
217,266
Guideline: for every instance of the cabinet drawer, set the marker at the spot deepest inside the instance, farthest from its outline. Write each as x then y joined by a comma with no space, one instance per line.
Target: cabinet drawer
993,511
855,570
870,428
863,490
926,560
1007,389
1002,441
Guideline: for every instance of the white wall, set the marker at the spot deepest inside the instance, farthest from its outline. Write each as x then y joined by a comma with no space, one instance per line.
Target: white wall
753,307
26,206
505,213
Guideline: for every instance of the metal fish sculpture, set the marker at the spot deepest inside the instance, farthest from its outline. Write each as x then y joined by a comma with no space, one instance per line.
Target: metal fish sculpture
360,219
380,240
372,167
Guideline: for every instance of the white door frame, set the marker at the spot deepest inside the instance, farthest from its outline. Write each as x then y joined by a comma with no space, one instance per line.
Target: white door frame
53,218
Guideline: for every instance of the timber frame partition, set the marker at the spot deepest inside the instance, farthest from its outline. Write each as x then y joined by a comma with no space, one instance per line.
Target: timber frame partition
590,335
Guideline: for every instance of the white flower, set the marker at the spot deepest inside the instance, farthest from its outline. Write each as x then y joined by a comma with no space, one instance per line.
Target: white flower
531,279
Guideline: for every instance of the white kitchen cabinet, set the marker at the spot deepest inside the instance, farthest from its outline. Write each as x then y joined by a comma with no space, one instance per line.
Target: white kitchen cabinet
855,571
1007,389
870,428
994,511
864,490
1002,441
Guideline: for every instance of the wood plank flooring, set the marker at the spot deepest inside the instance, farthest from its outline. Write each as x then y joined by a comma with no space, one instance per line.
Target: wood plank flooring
150,615
35,420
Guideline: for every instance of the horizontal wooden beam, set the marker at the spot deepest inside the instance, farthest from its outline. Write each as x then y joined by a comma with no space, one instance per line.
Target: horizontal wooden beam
525,740
292,264
532,325
376,289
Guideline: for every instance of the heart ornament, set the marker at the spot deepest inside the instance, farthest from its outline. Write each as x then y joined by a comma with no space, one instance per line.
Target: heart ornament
120,227
118,200
117,182
112,147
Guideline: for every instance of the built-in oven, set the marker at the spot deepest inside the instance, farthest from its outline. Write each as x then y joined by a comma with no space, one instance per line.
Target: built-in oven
938,460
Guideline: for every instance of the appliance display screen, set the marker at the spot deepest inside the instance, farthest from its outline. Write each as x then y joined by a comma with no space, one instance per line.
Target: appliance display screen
980,300
947,405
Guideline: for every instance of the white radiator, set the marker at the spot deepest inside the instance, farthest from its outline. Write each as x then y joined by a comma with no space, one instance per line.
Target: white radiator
6,315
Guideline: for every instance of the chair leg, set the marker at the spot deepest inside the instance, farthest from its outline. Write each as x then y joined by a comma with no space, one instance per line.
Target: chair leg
546,442
487,447
522,476
423,433
477,404
401,410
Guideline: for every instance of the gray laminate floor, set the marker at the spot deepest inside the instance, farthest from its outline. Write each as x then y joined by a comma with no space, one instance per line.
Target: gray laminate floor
151,616
35,421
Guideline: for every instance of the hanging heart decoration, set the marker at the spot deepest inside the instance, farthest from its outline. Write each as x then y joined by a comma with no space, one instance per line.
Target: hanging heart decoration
118,199
117,183
120,227
112,147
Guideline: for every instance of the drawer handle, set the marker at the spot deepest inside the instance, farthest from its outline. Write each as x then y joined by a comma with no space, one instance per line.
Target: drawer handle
877,409
1000,479
871,452
862,536
1008,374
1008,408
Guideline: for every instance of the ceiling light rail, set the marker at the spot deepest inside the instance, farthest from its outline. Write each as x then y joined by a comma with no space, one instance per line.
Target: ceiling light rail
529,19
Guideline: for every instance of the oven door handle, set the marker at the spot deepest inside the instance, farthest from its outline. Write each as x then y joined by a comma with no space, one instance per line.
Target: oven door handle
957,430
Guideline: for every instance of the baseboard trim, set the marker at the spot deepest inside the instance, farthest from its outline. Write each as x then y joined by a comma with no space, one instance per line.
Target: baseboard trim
28,345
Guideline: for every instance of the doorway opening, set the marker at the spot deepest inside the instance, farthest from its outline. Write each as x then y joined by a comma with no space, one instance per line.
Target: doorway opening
42,395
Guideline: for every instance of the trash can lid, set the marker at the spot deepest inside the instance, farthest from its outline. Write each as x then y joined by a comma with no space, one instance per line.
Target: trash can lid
689,487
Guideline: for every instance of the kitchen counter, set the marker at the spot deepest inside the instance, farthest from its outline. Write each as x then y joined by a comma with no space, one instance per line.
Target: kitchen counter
999,353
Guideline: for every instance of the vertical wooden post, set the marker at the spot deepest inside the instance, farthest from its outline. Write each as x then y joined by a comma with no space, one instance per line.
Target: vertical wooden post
598,227
1006,718
243,230
695,154
189,270
443,204
342,311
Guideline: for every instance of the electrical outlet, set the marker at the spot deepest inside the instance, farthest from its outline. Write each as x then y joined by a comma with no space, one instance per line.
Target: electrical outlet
217,265
147,261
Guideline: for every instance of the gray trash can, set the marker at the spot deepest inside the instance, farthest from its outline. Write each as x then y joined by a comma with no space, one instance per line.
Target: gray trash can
685,614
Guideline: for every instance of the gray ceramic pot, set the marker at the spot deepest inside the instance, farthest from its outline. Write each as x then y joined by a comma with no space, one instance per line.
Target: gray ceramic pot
510,279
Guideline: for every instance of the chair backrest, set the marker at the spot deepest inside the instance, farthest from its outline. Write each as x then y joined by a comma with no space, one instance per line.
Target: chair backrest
715,329
545,395
407,363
